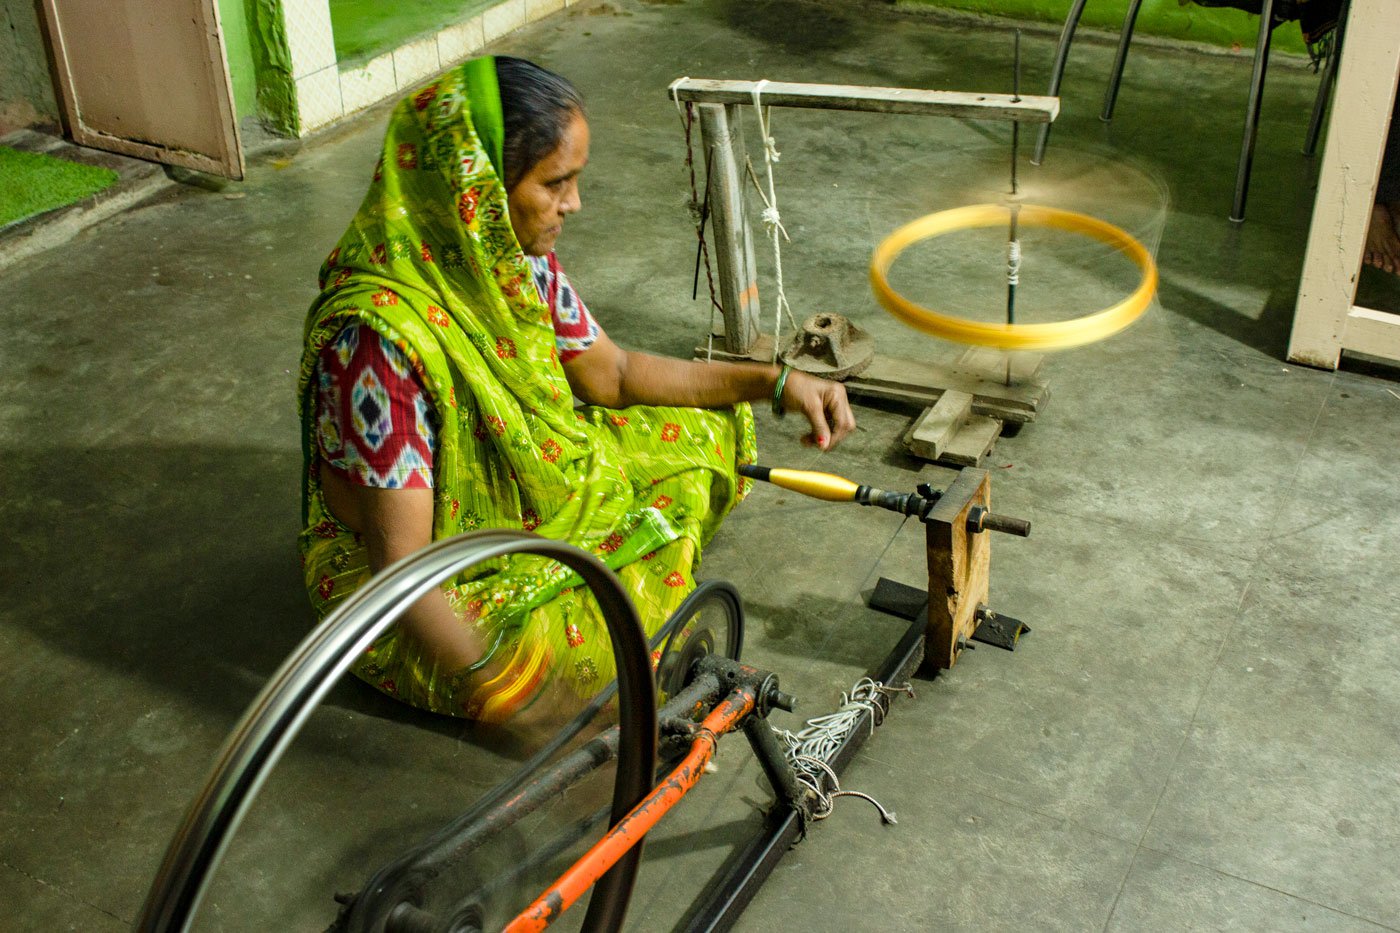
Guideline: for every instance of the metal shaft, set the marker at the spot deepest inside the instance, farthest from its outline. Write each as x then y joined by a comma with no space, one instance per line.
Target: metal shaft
1015,97
1013,276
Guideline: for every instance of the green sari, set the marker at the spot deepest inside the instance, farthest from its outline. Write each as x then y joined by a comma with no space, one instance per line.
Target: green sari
431,263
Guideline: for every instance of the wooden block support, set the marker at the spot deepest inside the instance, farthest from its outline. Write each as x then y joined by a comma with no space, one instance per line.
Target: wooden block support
929,436
972,442
949,433
959,567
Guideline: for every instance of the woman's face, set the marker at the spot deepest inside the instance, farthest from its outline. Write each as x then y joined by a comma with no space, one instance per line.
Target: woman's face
549,191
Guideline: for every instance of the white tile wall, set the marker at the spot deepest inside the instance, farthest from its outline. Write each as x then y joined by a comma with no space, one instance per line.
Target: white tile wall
503,18
318,99
414,62
309,36
460,42
325,94
368,84
534,9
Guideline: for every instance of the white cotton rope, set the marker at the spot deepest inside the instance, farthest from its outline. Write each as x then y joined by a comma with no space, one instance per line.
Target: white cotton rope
810,749
1013,263
772,219
676,94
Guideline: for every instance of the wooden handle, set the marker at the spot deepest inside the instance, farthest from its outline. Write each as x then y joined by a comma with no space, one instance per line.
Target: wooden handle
826,486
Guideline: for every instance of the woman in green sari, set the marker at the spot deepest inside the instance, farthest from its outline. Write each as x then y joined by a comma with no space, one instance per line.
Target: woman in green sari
440,368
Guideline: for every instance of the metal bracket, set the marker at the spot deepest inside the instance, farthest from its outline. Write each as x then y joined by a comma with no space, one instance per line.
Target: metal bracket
909,602
899,599
999,630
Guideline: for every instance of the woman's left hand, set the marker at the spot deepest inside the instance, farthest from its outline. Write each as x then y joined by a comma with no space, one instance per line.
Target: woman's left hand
823,403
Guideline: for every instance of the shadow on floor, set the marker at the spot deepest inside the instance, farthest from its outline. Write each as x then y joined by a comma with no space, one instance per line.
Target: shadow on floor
175,565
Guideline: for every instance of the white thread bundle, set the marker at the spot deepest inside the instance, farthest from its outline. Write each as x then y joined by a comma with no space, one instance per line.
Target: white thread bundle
1013,263
810,749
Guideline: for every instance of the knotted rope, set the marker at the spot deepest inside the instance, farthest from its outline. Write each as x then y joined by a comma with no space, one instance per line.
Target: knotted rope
810,749
772,219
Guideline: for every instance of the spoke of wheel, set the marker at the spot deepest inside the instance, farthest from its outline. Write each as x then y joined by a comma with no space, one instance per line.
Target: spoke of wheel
293,693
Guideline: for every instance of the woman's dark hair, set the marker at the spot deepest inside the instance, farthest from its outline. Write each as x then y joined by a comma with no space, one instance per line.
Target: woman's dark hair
536,107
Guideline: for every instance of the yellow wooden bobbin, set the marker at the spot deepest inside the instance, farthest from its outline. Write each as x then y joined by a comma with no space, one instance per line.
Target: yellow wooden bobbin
1049,336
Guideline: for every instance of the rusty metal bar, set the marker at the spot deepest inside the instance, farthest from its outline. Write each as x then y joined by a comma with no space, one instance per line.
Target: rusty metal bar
629,832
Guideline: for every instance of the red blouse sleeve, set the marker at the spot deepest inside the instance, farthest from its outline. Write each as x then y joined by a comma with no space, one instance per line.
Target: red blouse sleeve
375,422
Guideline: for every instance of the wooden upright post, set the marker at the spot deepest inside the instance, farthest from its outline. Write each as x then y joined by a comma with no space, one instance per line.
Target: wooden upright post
1325,320
733,239
959,567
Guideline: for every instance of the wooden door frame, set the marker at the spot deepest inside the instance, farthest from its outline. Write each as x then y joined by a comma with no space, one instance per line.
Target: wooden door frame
1327,320
228,162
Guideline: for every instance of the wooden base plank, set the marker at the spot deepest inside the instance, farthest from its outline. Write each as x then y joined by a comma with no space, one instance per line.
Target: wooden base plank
901,380
892,372
990,364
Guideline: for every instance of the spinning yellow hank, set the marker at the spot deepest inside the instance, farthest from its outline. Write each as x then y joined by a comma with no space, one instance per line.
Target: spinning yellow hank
1050,336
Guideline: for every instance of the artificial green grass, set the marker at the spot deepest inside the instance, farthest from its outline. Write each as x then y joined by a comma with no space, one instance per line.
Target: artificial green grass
365,28
1168,18
32,183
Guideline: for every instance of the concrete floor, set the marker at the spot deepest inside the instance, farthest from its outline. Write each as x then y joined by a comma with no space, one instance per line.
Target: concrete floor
1200,734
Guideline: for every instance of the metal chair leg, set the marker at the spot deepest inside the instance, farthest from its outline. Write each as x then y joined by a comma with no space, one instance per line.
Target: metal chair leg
1324,85
1058,72
1251,120
1110,96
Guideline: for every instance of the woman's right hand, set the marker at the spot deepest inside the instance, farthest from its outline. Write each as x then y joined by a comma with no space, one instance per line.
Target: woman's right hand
823,403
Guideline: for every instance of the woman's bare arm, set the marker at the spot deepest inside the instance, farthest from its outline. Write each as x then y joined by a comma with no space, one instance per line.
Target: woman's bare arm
610,376
393,524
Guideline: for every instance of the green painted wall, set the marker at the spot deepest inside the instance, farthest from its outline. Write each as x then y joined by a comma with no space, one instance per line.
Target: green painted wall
272,66
238,47
365,28
1166,18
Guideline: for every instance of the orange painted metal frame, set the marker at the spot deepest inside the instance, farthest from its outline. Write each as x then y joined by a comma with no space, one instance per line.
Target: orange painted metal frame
633,827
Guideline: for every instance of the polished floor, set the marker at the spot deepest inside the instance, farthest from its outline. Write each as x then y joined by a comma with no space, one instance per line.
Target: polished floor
1200,733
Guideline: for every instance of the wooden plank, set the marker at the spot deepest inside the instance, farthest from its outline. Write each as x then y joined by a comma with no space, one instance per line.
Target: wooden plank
1346,189
987,363
964,104
959,567
923,398
1023,407
930,434
973,442
893,372
1376,333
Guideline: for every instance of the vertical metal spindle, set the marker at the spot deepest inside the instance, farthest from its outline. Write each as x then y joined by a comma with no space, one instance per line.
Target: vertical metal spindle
1013,277
1013,247
1016,98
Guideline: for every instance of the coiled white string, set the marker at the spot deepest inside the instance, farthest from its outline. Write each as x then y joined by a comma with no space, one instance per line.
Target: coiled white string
810,749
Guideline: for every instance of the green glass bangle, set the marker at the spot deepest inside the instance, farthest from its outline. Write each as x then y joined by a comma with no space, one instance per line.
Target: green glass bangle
778,390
